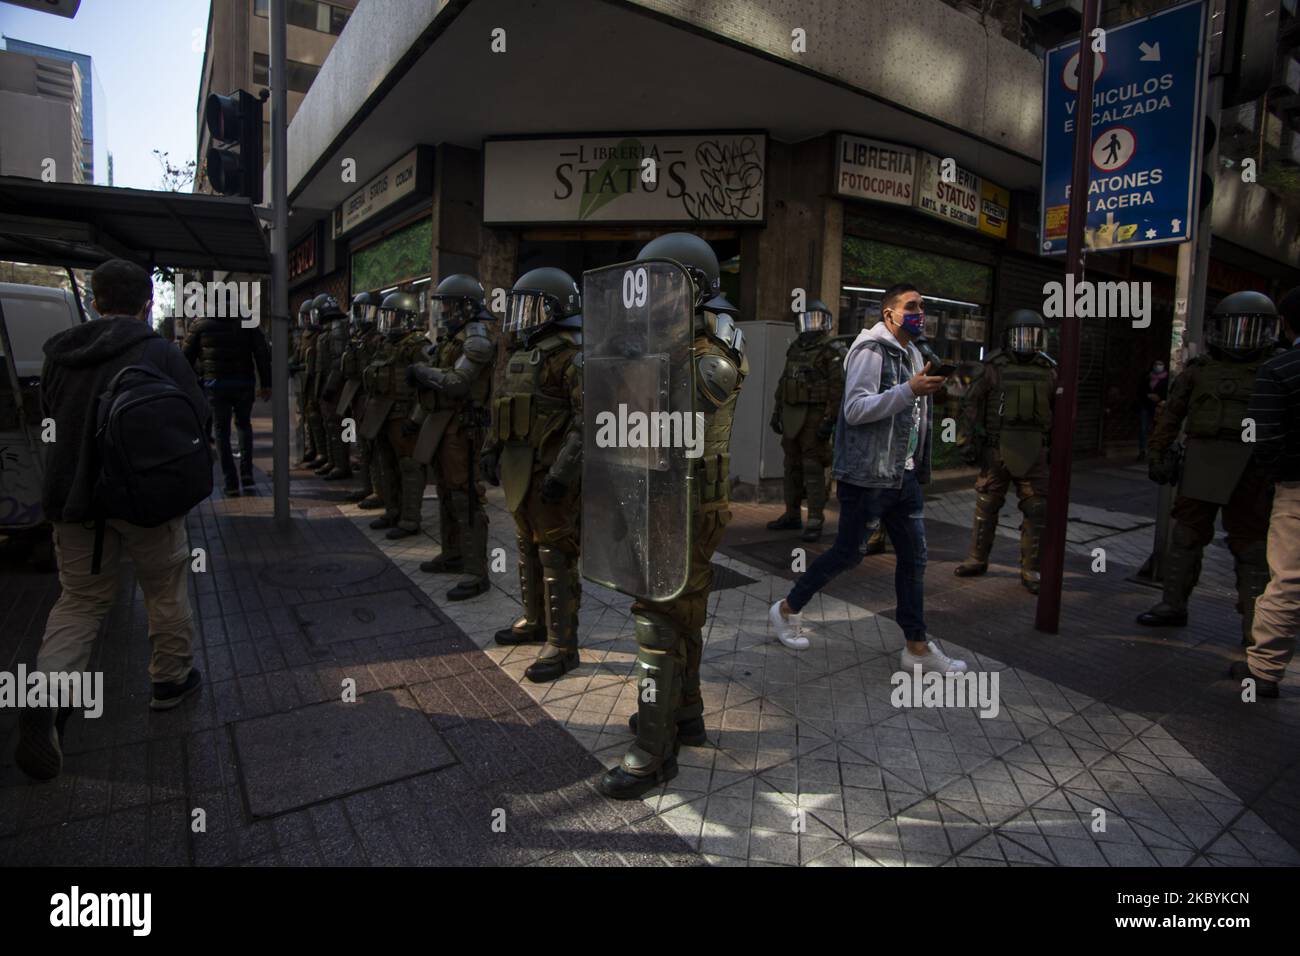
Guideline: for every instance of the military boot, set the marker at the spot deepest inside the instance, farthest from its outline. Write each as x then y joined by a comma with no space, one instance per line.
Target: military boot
321,463
652,758
690,714
530,628
376,498
449,560
412,477
563,591
1031,536
815,481
340,457
1181,571
981,541
791,519
1252,579
471,517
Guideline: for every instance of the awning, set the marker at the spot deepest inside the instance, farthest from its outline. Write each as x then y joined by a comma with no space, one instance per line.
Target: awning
67,224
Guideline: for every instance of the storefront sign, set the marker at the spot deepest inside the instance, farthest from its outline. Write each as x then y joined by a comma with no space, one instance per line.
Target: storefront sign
703,178
399,185
995,209
874,170
304,257
954,197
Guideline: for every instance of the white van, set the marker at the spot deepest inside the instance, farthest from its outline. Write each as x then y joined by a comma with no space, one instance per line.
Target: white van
29,315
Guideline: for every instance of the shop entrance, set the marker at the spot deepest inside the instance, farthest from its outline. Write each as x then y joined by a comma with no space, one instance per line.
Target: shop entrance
577,250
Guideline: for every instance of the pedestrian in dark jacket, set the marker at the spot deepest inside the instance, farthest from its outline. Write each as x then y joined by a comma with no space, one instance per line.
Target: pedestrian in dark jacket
227,356
79,365
1152,390
1275,410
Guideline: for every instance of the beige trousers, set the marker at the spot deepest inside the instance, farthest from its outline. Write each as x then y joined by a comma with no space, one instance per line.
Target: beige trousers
1277,610
161,557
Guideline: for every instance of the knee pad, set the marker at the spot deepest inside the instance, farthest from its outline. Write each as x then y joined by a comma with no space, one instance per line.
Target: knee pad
1034,508
655,631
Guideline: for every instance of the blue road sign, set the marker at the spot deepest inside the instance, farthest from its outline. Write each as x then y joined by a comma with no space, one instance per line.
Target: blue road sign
1146,133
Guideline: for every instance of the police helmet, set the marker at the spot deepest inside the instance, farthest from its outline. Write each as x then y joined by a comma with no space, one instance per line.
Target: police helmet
539,297
1243,324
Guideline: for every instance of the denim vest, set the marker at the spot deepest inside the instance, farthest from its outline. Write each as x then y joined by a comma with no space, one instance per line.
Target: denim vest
872,455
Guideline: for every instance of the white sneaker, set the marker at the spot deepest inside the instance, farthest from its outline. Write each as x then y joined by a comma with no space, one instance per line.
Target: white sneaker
936,661
787,628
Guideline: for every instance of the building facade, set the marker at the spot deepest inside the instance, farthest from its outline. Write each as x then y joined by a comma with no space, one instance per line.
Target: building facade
40,118
94,105
804,141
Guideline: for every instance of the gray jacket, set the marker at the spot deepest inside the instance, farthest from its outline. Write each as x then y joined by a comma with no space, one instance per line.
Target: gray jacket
875,420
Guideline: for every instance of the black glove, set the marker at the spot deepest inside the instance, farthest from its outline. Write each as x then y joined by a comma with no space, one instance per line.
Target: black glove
553,490
825,430
776,422
1158,470
489,464
970,453
410,428
411,378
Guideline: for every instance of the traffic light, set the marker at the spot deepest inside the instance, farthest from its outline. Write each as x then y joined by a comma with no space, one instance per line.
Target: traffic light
235,156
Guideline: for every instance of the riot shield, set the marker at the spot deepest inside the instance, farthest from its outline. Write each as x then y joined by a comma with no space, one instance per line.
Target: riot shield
639,429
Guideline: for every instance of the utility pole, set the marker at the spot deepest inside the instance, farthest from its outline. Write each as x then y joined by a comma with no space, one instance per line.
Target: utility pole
279,264
1048,615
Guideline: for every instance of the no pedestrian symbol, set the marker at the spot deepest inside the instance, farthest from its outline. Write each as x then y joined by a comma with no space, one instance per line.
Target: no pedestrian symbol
1146,133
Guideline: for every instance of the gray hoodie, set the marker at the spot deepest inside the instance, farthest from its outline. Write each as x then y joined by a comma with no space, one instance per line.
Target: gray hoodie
875,420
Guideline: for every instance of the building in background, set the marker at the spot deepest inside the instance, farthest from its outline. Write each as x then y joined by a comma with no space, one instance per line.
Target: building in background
41,118
236,56
94,105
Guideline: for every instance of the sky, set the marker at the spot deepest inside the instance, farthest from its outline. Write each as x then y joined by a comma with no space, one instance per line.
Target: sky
148,54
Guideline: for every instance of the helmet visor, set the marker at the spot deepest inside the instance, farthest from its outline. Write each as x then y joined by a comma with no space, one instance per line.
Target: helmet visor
1244,333
445,314
364,313
1025,339
526,311
395,320
813,322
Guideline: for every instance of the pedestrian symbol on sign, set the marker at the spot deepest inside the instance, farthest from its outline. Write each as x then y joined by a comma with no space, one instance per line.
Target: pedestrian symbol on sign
1113,149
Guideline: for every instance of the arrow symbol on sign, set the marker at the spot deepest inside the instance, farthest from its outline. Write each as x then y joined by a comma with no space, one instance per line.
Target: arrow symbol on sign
1149,52
1176,224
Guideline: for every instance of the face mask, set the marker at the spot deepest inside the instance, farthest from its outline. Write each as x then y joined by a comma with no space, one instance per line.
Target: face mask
1158,369
914,323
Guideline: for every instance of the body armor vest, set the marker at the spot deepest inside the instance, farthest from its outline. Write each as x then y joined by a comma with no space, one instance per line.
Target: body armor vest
307,345
385,377
1022,398
445,356
712,470
533,406
1220,397
806,378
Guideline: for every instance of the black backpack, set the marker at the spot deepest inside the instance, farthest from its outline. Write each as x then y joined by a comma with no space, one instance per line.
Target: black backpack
154,461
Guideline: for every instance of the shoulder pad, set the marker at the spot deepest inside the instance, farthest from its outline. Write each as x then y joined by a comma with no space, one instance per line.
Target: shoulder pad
475,330
479,349
577,359
997,354
718,376
839,347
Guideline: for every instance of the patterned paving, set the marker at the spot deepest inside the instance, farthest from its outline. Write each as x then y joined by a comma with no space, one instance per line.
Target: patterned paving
809,763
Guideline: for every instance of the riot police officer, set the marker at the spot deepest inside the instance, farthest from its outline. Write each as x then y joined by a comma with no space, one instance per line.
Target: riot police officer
331,343
388,419
665,564
1210,399
1006,420
454,390
534,451
808,397
363,344
303,359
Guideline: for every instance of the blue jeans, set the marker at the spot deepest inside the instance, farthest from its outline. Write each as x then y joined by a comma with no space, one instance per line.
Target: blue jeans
227,399
901,511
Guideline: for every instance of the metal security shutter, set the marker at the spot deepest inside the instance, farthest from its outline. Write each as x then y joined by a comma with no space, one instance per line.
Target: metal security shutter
1018,284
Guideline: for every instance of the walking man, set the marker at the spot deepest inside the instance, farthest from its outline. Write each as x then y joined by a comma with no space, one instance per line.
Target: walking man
882,457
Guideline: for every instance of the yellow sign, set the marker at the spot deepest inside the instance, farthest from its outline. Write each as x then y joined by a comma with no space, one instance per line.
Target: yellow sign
995,208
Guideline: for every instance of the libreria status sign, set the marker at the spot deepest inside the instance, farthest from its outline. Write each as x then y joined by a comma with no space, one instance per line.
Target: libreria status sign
1144,161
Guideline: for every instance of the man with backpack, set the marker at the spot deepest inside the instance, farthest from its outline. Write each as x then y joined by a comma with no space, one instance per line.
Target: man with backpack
127,462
